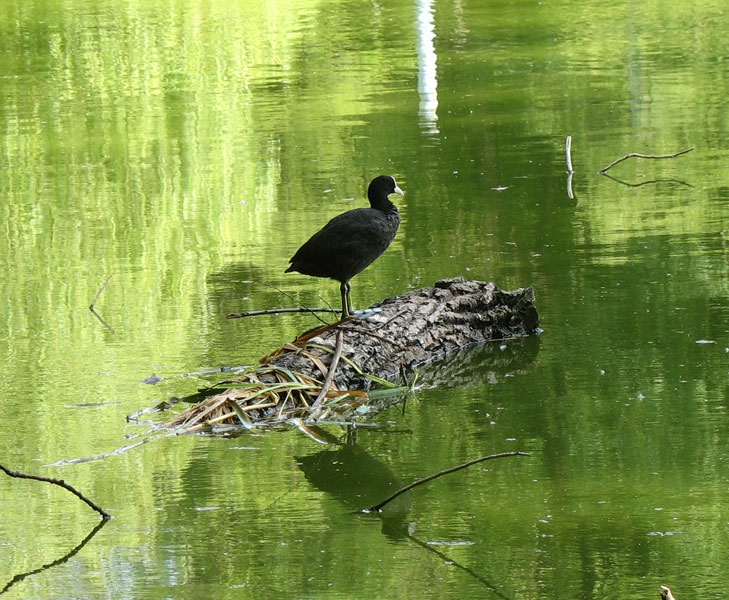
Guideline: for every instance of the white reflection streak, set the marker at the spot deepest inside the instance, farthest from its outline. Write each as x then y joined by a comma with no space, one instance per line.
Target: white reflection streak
427,69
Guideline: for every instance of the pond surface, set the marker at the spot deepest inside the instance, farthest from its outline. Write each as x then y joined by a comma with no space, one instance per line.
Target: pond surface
186,149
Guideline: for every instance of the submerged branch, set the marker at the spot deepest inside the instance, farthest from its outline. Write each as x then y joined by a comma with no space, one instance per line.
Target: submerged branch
378,507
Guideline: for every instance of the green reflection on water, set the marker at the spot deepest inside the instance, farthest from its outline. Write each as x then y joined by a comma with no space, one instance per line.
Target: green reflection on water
188,148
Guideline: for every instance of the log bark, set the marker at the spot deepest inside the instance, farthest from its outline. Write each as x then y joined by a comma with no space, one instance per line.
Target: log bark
416,328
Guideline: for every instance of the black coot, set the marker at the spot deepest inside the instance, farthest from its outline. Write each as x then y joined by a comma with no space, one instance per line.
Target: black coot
351,241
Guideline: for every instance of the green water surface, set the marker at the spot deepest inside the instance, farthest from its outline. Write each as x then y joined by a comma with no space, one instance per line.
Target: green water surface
187,148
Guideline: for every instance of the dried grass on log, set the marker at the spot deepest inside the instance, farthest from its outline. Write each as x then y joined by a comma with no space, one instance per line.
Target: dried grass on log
272,395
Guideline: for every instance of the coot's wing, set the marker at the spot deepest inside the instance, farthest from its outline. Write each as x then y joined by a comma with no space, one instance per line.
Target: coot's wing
345,245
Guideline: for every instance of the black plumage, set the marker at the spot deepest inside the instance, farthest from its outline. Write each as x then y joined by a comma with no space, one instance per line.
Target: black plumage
350,242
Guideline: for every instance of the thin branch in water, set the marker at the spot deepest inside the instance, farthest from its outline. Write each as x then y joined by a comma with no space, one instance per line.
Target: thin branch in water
101,289
277,311
568,152
378,507
59,482
639,155
93,304
570,170
75,461
290,297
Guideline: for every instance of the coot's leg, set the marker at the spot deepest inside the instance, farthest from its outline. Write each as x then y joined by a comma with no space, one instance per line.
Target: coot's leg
350,310
344,289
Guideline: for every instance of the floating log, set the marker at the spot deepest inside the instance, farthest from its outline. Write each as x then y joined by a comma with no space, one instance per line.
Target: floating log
328,372
414,329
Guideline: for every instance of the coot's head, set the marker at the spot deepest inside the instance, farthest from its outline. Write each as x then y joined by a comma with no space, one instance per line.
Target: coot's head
383,186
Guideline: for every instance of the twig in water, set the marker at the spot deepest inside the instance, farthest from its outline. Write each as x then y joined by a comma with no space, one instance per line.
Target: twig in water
290,297
93,304
60,482
570,170
568,152
276,311
101,289
638,155
75,461
378,507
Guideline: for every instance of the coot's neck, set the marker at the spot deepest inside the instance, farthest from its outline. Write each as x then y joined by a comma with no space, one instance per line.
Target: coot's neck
381,202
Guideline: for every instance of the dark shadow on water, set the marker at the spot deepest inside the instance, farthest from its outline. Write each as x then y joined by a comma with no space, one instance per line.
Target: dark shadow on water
358,480
482,363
